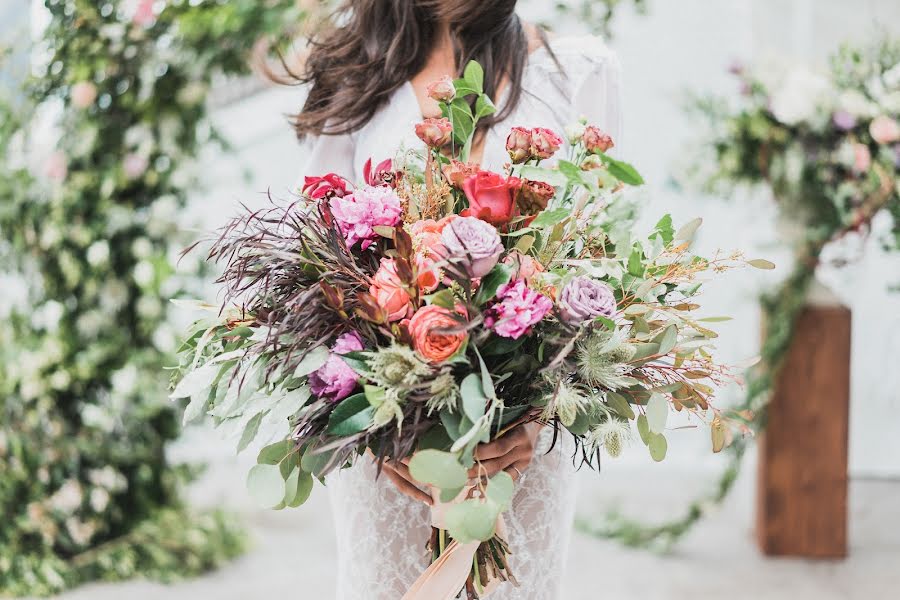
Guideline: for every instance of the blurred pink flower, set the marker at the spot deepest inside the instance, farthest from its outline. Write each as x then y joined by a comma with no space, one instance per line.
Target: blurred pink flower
83,94
884,130
357,214
862,158
144,14
518,309
134,165
56,168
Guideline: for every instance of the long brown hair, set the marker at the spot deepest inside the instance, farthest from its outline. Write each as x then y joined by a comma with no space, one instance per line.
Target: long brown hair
377,46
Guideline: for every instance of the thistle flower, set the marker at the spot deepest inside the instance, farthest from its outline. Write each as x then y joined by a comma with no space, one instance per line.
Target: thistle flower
396,366
565,403
612,434
602,360
444,394
387,410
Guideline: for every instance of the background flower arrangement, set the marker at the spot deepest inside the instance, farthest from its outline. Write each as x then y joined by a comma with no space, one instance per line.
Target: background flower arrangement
827,145
86,490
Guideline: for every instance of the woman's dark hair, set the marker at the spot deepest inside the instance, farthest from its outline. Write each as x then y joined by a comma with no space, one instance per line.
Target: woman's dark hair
376,46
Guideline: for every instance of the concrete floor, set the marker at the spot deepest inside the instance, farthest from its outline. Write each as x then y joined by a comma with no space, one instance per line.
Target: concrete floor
293,554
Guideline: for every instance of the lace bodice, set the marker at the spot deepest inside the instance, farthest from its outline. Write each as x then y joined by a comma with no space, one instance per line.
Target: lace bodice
381,534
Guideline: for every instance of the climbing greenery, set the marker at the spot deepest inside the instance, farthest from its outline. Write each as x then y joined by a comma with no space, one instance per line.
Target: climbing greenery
93,229
828,147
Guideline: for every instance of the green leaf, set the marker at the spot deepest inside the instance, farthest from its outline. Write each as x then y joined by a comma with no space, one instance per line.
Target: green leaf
265,485
443,298
500,489
658,446
250,431
667,339
550,217
636,261
352,415
759,263
195,382
643,429
474,400
552,176
464,88
657,412
484,107
440,469
462,120
622,171
312,361
451,422
315,462
472,520
298,488
449,495
619,404
665,229
688,230
491,282
474,76
275,453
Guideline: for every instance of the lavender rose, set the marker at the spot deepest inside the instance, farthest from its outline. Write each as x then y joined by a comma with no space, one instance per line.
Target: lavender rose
474,244
584,298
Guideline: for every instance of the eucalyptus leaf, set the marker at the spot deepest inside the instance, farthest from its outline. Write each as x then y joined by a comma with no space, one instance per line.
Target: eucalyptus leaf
667,339
500,489
265,485
619,404
474,401
312,361
550,217
440,469
688,230
643,429
657,412
658,446
250,431
194,382
298,488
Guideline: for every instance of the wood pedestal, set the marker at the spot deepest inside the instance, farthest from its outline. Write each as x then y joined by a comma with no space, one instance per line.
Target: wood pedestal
802,486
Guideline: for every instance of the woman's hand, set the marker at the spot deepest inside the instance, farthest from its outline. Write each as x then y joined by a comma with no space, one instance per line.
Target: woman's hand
511,453
398,473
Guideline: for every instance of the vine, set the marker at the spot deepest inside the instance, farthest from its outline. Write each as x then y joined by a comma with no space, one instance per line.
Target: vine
829,148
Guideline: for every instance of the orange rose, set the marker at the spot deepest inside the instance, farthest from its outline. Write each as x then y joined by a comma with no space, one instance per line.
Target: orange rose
389,291
426,329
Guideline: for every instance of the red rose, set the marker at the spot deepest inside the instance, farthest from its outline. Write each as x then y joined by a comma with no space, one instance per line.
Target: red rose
325,187
492,197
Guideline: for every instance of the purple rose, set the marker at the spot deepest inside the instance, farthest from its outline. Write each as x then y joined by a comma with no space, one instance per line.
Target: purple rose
518,309
335,380
473,244
584,298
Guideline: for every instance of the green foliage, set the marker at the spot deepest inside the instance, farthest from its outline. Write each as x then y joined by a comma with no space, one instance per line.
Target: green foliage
87,492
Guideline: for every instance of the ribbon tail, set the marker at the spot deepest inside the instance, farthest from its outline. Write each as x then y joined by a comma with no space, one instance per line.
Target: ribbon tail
446,576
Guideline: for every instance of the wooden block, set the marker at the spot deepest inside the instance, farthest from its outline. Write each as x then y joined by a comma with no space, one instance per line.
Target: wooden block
802,484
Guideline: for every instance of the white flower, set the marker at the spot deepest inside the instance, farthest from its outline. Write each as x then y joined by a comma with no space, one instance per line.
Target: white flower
574,132
48,315
114,295
99,499
68,497
60,380
89,323
98,253
800,96
124,381
857,104
144,273
141,248
81,532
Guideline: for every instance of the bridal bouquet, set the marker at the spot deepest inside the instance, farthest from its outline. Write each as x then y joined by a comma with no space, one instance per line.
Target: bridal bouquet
436,305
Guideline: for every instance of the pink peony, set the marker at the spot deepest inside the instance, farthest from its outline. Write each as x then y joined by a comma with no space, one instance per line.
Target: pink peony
584,298
134,165
472,244
862,158
335,380
389,291
83,94
358,213
884,130
517,310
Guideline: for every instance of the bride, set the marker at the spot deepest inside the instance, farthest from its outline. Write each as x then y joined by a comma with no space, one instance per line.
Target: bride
367,80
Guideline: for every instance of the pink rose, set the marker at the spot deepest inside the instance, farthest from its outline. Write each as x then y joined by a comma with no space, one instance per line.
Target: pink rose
523,266
442,90
518,144
358,213
584,299
473,245
862,158
595,140
492,197
884,130
436,133
56,168
544,143
83,94
327,187
517,310
457,172
389,292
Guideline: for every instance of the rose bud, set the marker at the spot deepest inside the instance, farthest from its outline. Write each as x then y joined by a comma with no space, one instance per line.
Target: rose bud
544,143
592,162
518,144
435,133
534,196
456,172
595,140
442,90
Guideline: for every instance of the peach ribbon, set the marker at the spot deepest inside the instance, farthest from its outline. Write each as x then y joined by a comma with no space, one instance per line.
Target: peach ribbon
446,576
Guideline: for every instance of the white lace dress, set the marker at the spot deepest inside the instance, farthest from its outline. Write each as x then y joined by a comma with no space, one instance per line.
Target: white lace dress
381,534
